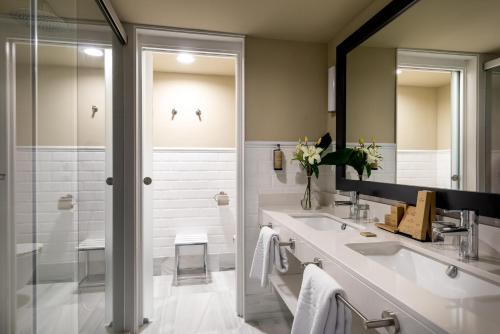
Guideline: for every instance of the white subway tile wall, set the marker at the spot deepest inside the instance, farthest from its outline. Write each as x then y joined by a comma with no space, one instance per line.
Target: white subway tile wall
431,168
185,182
60,171
261,178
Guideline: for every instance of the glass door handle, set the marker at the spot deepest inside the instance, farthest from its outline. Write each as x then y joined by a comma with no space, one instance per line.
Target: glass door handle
147,180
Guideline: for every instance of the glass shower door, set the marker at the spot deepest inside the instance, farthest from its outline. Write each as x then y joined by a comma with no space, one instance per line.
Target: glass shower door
56,153
17,258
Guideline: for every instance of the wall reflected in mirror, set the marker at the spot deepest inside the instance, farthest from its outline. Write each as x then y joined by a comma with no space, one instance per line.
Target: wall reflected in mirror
426,89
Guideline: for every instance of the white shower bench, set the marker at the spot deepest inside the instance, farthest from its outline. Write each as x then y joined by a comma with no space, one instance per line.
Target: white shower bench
88,245
182,240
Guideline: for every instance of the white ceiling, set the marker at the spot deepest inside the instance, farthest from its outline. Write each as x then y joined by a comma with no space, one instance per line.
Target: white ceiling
299,20
167,62
454,25
418,78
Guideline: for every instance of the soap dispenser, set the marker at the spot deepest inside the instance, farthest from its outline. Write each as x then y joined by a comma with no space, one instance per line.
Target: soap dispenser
278,158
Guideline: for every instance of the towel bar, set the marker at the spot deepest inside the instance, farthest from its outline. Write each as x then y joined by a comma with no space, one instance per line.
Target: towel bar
388,318
270,225
317,261
290,243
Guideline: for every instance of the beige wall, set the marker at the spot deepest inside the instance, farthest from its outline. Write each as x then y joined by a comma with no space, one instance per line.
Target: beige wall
285,89
214,95
24,114
424,117
443,136
417,118
371,90
285,98
353,25
91,91
64,97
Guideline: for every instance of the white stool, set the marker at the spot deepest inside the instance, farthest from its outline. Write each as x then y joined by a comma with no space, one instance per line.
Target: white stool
87,246
190,240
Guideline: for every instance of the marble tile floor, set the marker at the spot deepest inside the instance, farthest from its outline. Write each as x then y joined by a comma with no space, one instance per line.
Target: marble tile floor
193,307
61,309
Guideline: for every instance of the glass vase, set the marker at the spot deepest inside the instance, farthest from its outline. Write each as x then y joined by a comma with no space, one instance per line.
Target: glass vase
306,201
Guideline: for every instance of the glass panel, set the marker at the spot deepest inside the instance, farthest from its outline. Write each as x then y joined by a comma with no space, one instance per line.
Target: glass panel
94,163
17,295
55,155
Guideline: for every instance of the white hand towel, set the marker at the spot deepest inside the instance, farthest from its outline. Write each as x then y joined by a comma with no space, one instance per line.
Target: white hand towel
318,311
267,253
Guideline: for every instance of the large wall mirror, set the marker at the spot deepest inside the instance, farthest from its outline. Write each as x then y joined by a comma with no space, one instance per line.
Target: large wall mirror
422,80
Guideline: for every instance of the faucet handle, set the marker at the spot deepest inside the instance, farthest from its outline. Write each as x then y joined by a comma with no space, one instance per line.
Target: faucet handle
466,216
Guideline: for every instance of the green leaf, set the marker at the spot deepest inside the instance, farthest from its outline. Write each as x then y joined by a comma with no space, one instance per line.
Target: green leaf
368,170
337,158
315,170
325,141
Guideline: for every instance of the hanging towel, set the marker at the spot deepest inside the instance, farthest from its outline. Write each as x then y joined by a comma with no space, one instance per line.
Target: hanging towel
318,311
268,253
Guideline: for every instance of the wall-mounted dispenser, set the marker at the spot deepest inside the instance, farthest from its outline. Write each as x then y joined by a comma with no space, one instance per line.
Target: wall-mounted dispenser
278,158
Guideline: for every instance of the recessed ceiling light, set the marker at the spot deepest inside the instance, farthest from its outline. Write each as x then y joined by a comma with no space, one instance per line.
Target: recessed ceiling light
399,71
185,58
93,52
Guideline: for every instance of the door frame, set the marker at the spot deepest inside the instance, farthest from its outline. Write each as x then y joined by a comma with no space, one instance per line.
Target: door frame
155,38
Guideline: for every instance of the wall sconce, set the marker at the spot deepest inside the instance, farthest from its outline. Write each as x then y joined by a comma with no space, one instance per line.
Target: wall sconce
198,113
174,112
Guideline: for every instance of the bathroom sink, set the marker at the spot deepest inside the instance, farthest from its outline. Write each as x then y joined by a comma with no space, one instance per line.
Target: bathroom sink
324,223
426,272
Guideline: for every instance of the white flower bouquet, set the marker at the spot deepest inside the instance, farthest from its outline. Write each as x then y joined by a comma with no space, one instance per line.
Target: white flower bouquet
312,155
309,155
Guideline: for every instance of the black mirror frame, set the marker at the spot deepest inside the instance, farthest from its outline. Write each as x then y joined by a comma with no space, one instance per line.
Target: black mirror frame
486,204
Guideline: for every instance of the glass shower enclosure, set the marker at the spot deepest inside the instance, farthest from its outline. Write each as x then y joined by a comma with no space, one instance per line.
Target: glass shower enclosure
55,156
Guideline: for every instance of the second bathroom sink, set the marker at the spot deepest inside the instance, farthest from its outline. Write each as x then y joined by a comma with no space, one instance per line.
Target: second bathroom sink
437,277
324,223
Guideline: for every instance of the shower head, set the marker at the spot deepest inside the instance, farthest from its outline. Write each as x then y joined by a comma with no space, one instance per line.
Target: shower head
47,20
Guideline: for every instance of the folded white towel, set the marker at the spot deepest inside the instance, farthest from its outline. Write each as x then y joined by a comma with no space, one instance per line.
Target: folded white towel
268,253
318,311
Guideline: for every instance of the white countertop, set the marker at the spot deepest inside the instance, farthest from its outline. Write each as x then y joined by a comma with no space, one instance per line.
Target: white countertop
466,315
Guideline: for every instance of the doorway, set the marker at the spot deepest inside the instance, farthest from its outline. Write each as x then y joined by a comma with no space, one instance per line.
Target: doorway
192,137
429,117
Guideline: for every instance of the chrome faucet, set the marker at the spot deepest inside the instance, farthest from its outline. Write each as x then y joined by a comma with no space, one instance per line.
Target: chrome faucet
467,230
353,203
